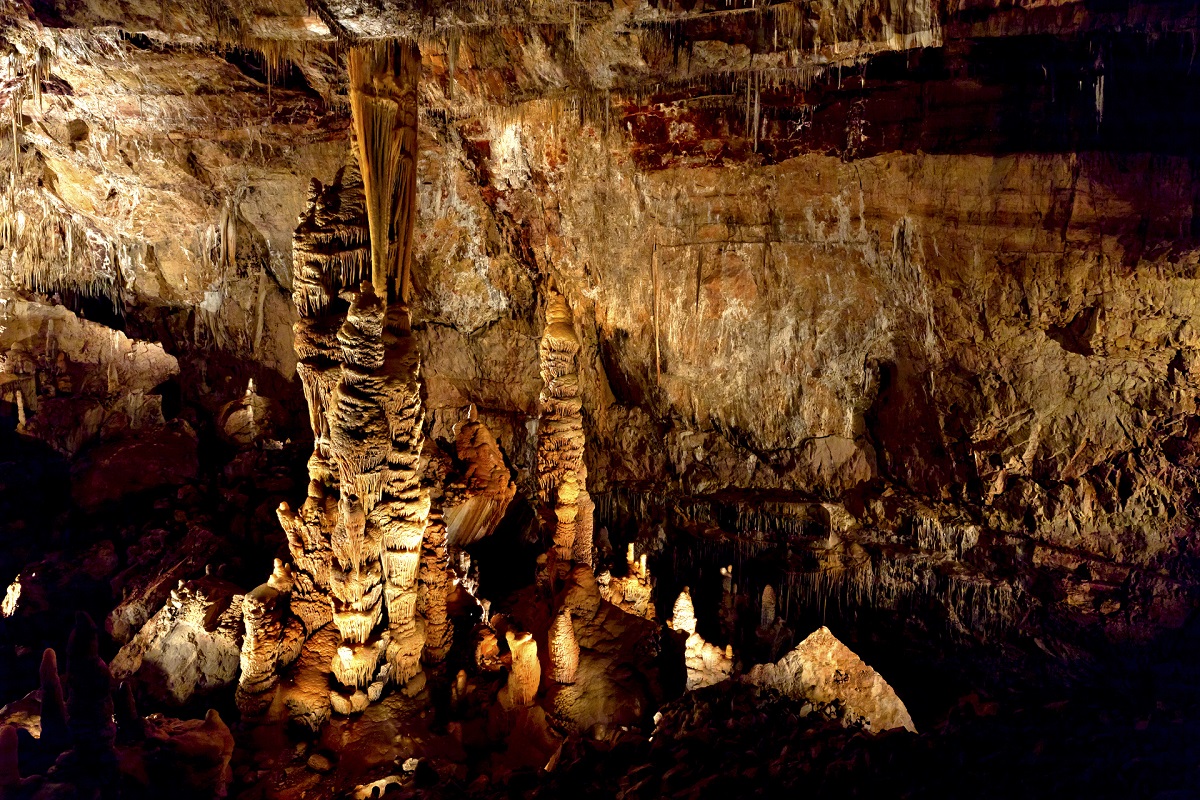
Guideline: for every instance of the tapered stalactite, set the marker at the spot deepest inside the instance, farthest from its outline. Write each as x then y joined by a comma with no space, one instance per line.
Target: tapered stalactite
383,105
434,588
475,504
564,649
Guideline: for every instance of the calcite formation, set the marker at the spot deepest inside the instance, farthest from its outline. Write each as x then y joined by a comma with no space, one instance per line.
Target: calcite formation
476,502
524,672
706,663
356,542
564,649
192,645
822,670
683,613
435,584
561,472
633,592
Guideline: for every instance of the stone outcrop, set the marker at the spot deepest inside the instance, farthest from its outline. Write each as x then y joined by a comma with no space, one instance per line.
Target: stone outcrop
191,646
822,670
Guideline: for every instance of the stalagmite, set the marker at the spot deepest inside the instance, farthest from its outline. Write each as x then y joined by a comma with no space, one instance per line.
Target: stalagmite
356,542
633,593
583,549
561,473
683,615
262,610
10,770
435,585
525,673
564,649
55,735
474,505
89,696
767,616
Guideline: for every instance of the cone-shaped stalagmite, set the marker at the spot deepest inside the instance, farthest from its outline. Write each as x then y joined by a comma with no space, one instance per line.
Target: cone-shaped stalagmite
564,649
55,735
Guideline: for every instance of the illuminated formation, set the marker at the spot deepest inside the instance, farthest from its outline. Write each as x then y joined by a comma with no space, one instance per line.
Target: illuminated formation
564,649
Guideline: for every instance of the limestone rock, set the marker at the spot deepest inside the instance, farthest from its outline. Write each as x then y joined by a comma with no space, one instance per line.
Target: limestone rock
706,663
192,645
821,670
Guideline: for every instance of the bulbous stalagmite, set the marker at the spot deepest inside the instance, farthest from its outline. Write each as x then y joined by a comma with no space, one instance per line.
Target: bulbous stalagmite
683,615
564,649
525,673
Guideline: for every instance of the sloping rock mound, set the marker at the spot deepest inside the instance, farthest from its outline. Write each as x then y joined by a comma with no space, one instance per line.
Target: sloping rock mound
192,645
822,670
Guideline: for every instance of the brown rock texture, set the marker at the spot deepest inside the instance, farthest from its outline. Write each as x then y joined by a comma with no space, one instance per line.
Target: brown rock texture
821,670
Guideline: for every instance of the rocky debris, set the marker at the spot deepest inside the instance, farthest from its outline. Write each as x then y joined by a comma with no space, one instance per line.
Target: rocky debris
191,646
822,670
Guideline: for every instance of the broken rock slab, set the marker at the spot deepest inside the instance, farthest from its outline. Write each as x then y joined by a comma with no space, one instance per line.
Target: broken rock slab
822,670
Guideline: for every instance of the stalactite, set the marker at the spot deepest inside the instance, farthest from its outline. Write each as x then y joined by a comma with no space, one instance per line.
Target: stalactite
383,104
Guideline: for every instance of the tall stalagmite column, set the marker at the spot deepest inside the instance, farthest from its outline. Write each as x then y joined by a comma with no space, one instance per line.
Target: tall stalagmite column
355,543
562,475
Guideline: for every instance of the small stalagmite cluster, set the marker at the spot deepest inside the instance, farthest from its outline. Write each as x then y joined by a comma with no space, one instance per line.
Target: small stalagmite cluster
706,663
632,592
